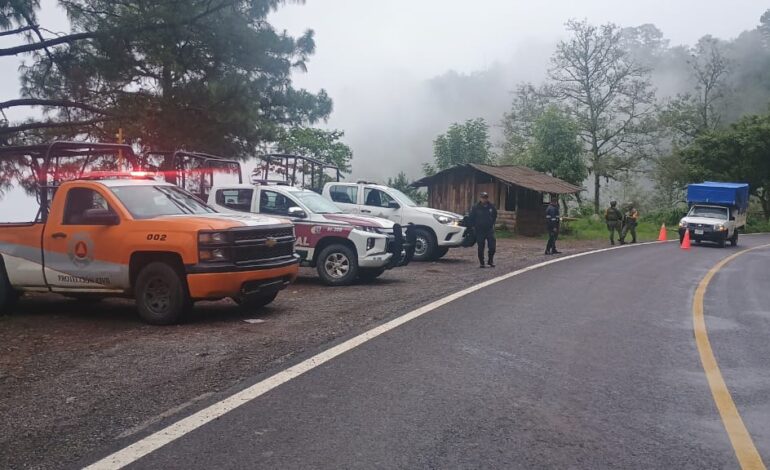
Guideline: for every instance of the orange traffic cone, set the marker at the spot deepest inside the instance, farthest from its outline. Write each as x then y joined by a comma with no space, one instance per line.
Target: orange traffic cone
686,240
662,236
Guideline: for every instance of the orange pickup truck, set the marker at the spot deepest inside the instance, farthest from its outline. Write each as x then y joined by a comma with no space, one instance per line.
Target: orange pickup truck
119,235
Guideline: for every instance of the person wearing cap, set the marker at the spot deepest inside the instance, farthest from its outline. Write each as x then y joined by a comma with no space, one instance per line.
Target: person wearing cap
482,218
552,222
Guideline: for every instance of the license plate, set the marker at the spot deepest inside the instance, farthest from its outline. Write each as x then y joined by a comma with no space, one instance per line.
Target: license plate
699,232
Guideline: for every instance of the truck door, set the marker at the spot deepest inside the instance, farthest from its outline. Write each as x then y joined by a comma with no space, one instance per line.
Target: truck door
378,203
81,245
345,196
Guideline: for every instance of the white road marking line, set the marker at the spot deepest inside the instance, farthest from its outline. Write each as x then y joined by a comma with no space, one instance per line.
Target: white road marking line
174,431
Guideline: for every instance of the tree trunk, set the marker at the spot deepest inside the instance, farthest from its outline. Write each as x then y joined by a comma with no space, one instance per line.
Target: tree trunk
765,200
597,188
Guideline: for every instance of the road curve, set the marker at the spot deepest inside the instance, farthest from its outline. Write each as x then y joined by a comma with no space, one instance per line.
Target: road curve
586,363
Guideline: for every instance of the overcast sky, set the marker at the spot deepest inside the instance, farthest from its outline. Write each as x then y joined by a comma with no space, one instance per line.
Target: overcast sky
379,60
401,71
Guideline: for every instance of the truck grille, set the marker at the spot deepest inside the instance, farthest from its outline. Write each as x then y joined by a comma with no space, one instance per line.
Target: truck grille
266,244
255,235
704,227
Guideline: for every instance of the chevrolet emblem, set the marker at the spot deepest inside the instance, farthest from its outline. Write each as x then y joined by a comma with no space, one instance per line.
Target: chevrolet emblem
271,242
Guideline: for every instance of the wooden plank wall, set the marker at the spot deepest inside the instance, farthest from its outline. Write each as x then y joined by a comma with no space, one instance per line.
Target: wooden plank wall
457,191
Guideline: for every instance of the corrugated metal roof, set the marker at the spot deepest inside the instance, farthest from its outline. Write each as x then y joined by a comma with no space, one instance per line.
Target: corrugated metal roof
518,175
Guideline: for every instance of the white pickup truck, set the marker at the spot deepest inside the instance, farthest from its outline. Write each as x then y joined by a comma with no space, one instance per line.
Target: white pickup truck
342,247
717,212
436,231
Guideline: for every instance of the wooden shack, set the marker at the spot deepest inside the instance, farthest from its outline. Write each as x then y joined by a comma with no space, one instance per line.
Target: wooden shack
519,193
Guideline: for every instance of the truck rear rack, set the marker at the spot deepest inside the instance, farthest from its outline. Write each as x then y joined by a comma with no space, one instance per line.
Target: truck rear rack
298,170
182,167
51,164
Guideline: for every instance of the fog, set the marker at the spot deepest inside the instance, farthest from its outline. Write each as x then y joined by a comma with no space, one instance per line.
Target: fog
400,72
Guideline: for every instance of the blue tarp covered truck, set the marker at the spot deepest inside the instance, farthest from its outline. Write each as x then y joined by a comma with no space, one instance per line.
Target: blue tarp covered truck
717,212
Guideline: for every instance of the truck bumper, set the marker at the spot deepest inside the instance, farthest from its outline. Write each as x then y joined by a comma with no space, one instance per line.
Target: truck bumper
450,236
707,235
380,260
218,285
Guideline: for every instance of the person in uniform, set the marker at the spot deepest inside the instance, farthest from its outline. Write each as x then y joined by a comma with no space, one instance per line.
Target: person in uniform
552,221
614,219
482,218
630,221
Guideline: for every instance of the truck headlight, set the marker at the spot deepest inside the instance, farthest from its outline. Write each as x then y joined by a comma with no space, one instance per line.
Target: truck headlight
365,228
720,228
682,224
212,238
445,219
214,254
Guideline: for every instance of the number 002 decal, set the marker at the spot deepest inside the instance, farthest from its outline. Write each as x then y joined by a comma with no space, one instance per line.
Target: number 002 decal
158,237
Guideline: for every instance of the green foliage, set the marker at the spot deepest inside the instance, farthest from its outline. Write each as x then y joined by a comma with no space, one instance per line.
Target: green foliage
402,183
737,153
608,94
556,149
589,229
317,143
462,143
199,74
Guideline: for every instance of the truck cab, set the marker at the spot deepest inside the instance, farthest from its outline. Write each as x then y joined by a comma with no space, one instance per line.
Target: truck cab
121,234
436,231
342,247
717,212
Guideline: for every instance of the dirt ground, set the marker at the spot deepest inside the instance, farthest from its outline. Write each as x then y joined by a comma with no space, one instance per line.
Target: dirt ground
76,376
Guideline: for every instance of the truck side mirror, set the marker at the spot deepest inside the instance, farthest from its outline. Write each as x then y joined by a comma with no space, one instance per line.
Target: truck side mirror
297,212
100,217
732,218
393,205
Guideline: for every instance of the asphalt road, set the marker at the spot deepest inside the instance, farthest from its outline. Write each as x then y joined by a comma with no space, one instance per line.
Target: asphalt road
586,363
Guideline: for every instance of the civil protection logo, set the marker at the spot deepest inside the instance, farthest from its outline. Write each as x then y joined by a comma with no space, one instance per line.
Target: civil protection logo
80,249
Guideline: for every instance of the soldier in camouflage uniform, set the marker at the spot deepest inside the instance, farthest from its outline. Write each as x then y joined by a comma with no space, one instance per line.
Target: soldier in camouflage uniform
630,221
614,219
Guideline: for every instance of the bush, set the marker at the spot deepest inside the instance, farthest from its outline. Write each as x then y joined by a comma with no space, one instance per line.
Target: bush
670,217
757,224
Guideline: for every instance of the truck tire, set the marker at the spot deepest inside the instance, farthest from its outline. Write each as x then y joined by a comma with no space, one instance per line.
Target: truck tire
337,265
161,294
8,296
441,251
425,245
369,275
255,301
734,240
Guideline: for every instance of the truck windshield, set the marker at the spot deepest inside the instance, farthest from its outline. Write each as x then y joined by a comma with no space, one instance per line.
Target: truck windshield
316,203
146,202
402,198
709,212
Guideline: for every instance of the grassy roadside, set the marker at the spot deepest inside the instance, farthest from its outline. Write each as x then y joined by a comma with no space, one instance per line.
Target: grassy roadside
585,228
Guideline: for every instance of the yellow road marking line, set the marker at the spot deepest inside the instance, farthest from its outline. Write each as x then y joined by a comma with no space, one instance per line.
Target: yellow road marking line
748,456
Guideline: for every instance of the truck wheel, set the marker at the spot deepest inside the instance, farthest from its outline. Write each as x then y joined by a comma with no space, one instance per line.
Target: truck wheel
161,294
255,301
369,275
337,265
8,296
441,251
424,246
734,240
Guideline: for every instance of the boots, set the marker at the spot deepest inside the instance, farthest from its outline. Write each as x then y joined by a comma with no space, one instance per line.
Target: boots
491,262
